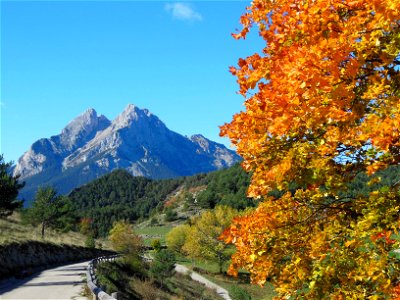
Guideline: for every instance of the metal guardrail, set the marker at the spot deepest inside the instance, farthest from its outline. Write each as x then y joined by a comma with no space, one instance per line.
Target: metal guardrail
97,292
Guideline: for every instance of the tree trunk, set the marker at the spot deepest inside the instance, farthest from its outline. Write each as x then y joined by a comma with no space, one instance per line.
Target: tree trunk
42,230
220,263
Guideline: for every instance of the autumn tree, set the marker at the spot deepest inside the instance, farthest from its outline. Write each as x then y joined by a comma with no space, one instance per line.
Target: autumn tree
176,238
202,241
322,105
9,187
125,241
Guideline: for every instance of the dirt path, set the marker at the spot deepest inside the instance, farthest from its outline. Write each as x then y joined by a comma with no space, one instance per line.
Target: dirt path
65,282
197,277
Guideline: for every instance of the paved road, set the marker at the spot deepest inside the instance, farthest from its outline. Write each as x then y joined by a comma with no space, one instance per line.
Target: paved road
197,277
65,282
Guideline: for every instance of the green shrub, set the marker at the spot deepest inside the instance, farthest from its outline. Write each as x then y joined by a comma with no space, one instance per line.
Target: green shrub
154,221
156,244
90,242
238,293
170,215
163,265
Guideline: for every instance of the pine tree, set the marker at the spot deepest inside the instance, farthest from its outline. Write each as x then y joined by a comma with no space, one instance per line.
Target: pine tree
9,187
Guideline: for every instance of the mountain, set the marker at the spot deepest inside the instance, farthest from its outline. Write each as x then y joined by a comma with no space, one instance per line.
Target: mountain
136,140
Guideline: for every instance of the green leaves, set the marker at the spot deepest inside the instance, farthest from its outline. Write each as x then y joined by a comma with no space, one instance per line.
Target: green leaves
9,187
49,209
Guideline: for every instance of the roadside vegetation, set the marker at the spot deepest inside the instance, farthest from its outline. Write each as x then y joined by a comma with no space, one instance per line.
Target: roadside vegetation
135,277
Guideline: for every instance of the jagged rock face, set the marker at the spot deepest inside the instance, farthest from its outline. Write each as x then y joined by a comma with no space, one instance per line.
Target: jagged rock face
49,153
91,145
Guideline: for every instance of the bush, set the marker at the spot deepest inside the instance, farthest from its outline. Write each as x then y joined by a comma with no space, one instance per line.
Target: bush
145,289
108,275
90,242
156,244
163,265
176,237
170,215
154,221
238,293
124,240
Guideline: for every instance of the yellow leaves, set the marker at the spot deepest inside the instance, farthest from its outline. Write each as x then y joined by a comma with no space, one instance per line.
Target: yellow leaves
124,240
324,106
203,238
312,284
349,243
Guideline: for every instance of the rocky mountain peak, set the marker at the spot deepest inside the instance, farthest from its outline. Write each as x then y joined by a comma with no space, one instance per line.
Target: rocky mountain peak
133,114
86,119
201,141
136,140
82,128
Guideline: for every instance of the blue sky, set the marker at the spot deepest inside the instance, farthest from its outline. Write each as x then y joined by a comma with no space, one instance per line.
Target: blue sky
59,58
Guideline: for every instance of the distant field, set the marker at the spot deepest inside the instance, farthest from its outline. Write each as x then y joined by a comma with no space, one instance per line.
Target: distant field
154,232
11,230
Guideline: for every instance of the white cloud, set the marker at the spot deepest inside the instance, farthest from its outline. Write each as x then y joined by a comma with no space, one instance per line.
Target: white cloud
183,11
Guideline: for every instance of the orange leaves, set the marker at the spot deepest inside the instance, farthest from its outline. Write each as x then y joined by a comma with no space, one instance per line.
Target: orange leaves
322,104
396,292
322,69
232,70
383,236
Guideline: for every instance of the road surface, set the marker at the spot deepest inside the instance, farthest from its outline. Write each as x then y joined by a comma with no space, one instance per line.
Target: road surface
65,282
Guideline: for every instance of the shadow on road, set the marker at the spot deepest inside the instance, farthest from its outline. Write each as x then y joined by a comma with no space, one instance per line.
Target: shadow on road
9,285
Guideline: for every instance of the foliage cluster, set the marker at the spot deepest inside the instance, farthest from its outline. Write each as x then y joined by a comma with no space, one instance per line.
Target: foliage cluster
226,187
163,265
322,105
50,210
9,187
170,215
200,238
238,293
125,241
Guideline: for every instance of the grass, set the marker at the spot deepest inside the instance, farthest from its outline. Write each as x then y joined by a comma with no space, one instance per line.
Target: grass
257,293
11,230
153,232
210,271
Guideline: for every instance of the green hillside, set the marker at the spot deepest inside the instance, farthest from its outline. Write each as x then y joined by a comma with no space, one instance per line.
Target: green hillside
119,195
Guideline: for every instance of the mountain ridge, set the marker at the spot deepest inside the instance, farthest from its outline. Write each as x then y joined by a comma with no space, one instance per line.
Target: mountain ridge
136,140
